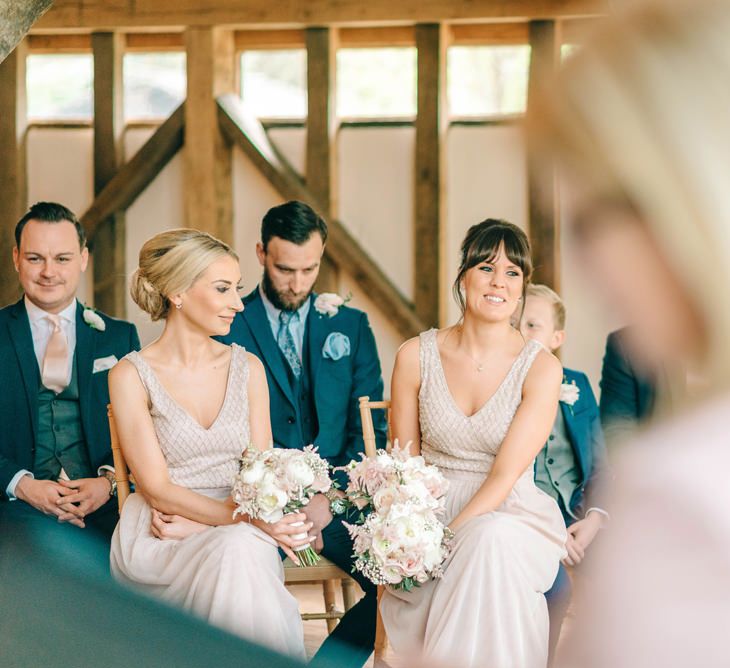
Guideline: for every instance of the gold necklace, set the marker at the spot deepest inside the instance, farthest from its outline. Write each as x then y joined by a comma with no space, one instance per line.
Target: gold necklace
479,365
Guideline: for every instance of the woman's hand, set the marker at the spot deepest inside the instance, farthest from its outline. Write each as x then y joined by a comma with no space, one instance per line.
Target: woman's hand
283,533
173,527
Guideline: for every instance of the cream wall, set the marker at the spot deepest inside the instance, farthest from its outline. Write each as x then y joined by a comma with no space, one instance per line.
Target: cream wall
485,177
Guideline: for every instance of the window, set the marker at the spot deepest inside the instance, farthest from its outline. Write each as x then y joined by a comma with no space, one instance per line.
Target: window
60,86
274,83
487,80
376,82
154,84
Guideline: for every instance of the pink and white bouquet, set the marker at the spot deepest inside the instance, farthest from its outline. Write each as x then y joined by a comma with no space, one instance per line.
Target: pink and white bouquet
274,482
401,542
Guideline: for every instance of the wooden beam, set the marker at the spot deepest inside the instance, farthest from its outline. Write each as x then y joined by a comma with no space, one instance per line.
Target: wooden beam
132,178
544,228
98,14
269,39
13,170
245,131
429,194
321,166
162,41
489,34
110,240
17,18
61,43
377,36
207,155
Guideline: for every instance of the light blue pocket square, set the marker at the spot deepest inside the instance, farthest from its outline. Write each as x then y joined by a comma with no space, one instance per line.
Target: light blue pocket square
336,346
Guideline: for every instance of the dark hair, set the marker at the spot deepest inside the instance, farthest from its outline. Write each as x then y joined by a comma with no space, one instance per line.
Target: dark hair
481,244
50,212
294,221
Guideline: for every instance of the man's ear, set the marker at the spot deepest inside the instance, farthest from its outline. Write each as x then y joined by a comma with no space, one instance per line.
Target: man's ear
260,253
84,258
16,258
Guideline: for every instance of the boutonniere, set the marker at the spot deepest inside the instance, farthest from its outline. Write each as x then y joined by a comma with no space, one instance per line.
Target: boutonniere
93,319
569,393
329,303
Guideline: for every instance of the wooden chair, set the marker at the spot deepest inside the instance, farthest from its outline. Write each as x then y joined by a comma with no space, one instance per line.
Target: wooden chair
368,436
325,571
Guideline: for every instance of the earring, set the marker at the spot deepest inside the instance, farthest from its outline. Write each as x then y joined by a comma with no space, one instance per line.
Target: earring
178,306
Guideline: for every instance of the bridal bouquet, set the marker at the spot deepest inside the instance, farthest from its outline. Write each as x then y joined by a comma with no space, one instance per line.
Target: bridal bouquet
274,482
401,542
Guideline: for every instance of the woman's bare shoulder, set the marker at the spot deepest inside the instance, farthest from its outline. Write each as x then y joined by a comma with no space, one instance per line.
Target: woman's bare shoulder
546,370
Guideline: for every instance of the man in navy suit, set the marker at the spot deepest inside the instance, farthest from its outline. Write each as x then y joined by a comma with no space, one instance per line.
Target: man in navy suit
628,394
55,355
572,466
320,357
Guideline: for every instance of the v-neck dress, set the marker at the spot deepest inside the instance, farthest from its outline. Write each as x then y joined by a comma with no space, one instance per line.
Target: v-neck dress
489,608
232,575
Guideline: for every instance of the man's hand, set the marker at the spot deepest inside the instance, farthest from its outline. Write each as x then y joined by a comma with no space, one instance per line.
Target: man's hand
82,496
173,527
580,536
318,512
47,496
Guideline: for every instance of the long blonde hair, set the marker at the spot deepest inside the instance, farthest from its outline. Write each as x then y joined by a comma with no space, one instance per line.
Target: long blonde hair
643,115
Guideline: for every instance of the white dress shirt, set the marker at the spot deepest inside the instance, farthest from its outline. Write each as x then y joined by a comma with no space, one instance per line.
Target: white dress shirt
41,329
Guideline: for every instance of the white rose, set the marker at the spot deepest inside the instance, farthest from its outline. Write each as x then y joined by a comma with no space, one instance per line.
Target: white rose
271,502
93,319
254,473
569,393
299,473
328,303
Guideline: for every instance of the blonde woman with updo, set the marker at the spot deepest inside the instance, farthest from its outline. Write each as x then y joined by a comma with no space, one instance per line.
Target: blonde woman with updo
186,407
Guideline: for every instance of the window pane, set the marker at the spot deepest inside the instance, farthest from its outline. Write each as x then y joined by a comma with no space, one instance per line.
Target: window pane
60,86
376,82
154,84
274,83
487,80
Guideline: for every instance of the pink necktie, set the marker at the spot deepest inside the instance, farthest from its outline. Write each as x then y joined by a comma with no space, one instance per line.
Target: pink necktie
55,363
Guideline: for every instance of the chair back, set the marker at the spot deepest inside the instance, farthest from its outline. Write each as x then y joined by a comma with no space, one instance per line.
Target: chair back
121,472
368,430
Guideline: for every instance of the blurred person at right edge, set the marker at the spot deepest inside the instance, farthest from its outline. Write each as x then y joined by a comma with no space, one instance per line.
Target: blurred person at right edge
639,123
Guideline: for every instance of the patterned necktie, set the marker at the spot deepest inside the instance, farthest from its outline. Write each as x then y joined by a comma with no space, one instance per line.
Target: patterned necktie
285,340
55,362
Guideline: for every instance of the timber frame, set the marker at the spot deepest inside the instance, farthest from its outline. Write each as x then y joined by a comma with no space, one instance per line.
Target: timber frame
212,121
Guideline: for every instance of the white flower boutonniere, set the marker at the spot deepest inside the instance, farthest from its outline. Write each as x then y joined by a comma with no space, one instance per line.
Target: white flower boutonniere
329,303
569,393
93,319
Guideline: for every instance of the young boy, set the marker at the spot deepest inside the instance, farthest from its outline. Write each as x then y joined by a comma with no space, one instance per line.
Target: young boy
572,466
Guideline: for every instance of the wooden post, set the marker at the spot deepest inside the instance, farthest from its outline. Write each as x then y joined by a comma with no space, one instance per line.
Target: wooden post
13,170
207,154
321,168
544,226
429,193
109,242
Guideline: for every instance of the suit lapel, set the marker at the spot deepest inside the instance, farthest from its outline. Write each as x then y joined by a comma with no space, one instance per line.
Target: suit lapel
254,315
575,442
85,349
22,339
318,328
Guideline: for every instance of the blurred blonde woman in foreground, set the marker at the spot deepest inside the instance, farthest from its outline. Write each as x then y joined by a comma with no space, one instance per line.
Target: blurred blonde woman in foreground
641,124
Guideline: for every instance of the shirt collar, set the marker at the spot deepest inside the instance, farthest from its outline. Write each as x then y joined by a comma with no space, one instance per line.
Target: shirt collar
273,313
36,314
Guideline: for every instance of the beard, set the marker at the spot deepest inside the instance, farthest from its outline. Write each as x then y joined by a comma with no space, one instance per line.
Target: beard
284,301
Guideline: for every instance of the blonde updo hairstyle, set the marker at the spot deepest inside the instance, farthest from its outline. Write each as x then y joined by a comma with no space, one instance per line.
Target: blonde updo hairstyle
170,263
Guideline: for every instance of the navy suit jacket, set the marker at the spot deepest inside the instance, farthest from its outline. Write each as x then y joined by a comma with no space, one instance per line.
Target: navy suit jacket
336,384
21,378
583,426
627,396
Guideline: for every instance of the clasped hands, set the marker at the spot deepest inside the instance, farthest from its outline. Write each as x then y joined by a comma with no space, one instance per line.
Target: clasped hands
316,515
68,500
